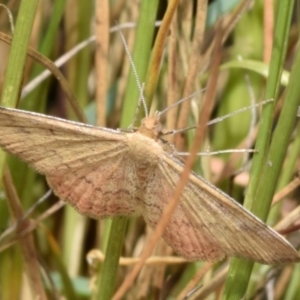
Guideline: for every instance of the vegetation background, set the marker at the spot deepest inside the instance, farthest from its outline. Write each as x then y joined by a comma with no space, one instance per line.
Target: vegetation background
242,51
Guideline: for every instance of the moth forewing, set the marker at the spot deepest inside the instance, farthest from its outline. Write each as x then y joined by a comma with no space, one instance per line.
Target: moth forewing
224,223
49,144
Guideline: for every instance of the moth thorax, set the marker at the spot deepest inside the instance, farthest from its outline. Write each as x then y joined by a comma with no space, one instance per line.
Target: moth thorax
144,150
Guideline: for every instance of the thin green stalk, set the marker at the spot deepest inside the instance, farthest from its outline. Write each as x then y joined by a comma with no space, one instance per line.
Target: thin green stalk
280,140
266,166
17,58
286,175
10,95
272,88
141,52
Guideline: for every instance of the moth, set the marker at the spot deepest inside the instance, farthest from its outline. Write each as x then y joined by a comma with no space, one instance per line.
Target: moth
103,172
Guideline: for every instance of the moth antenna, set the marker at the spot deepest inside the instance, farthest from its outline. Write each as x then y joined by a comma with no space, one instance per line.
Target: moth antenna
176,131
251,107
134,73
207,153
219,119
180,101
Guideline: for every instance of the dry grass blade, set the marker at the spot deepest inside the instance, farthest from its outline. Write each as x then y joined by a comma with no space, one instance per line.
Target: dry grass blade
27,243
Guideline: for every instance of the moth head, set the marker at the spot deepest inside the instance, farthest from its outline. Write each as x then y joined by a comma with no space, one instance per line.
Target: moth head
151,127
